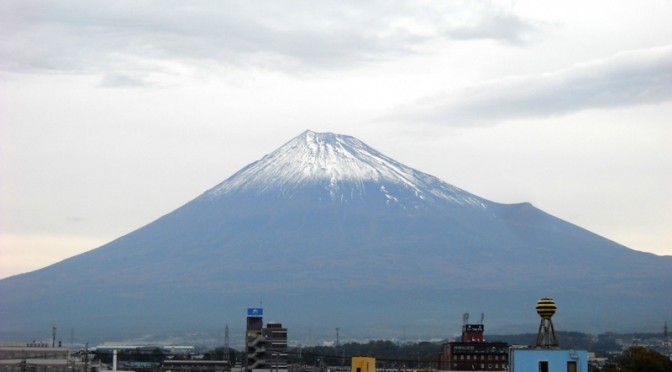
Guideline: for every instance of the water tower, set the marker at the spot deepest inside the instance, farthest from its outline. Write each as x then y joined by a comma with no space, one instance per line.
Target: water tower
546,338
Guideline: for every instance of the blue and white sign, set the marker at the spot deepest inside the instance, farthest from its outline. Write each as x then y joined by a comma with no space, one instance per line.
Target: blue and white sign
255,312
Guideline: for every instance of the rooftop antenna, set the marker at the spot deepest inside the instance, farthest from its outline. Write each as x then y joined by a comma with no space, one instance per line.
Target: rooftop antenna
53,336
482,316
465,318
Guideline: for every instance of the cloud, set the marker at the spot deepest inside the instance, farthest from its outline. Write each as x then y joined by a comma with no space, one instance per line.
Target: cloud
498,25
625,79
123,80
78,36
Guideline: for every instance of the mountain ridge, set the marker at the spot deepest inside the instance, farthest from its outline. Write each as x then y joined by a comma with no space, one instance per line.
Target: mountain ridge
322,262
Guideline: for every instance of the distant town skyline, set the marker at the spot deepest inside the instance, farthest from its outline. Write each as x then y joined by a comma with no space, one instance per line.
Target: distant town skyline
114,114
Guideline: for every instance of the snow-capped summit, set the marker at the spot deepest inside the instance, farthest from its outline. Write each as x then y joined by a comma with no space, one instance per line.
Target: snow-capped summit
333,232
340,168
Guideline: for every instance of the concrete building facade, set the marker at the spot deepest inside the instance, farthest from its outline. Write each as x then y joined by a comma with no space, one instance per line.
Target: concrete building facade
266,347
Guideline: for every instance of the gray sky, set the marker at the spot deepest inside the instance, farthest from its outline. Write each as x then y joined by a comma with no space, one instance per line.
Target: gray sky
115,113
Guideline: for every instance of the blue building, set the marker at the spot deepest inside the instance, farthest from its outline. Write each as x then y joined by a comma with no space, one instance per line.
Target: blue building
548,360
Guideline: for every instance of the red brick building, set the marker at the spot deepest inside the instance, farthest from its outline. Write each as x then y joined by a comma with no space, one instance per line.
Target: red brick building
473,353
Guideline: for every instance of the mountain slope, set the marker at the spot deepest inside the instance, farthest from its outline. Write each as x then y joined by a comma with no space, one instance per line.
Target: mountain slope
329,232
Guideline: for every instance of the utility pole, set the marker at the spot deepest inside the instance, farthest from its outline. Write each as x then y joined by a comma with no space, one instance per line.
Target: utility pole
226,343
337,341
86,357
243,359
666,341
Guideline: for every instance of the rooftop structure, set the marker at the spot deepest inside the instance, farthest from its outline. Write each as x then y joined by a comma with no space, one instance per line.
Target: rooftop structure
547,356
546,337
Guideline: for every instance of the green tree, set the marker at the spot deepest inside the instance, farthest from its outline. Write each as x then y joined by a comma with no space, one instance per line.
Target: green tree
387,353
157,355
641,359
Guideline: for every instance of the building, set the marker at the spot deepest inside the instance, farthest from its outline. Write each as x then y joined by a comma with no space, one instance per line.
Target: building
196,365
472,352
276,345
548,360
266,347
363,364
39,357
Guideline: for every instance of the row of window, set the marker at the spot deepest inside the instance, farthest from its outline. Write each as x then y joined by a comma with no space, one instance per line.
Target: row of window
472,349
482,357
484,366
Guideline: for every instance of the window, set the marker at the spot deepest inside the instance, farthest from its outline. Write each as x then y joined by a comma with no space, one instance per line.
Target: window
571,366
543,366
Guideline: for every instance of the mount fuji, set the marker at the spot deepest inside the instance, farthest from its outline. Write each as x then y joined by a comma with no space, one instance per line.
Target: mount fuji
328,233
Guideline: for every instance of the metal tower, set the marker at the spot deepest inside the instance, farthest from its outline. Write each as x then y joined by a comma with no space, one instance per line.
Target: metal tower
546,338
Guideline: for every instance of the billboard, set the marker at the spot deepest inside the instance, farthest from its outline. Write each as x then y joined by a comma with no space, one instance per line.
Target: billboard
473,328
253,312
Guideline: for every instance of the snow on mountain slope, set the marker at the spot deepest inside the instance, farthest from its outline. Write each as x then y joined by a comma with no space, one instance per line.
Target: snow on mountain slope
346,168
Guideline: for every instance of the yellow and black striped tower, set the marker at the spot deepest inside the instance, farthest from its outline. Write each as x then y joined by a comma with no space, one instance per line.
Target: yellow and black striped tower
546,338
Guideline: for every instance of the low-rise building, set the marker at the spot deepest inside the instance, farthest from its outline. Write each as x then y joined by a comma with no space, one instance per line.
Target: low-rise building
548,360
363,364
196,366
36,357
472,352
